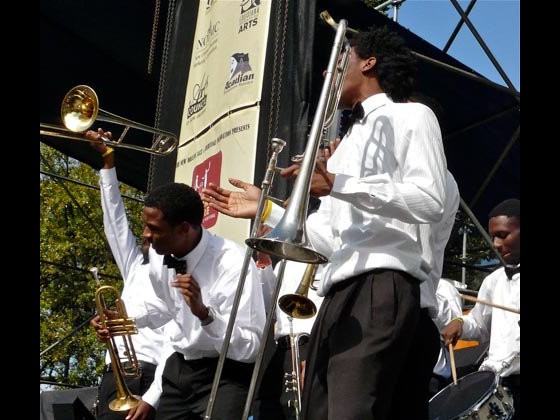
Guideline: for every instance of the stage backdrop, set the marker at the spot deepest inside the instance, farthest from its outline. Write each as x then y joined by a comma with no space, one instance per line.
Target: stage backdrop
237,73
229,85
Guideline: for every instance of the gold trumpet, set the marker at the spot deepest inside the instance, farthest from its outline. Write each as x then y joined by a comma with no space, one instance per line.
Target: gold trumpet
297,305
120,326
80,109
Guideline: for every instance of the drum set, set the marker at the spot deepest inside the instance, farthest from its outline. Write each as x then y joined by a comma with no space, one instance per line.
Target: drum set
477,395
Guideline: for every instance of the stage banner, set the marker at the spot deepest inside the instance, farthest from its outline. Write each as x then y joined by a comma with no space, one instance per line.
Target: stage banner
220,117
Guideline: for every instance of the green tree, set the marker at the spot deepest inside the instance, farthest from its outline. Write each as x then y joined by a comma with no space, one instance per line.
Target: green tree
71,242
478,252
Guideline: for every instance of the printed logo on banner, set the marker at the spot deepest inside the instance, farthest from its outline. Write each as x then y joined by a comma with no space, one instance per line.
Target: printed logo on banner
240,71
249,14
198,99
208,171
206,44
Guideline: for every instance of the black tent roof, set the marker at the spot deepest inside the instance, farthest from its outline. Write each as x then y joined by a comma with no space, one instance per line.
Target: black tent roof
110,46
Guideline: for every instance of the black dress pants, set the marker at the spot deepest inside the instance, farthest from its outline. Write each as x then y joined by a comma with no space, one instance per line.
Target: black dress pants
187,384
108,390
360,347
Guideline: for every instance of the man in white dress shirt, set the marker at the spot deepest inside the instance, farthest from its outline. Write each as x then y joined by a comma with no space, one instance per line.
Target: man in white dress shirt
386,178
195,275
501,287
133,264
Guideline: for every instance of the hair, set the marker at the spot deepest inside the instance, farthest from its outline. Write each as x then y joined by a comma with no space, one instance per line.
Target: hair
178,203
509,208
395,66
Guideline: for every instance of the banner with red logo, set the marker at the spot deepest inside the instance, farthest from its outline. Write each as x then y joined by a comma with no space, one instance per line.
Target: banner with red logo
219,125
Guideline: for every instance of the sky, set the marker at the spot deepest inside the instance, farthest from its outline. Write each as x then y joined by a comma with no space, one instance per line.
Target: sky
496,21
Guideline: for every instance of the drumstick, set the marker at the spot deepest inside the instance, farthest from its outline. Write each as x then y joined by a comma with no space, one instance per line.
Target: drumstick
485,302
452,358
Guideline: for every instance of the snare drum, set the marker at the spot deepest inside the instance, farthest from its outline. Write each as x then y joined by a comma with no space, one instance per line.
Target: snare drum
475,396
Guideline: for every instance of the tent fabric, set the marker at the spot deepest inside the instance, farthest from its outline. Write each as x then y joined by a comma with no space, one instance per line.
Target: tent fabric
107,45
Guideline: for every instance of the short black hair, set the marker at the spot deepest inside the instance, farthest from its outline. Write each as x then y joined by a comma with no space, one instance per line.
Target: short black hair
178,203
396,65
510,208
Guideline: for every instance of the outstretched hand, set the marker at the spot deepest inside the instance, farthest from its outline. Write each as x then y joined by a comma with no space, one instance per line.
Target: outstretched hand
240,204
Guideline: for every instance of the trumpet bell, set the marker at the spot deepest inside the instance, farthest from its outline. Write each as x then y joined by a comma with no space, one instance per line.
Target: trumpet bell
297,306
125,402
79,108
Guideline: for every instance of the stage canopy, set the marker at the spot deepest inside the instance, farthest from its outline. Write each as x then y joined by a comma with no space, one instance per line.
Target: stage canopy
116,47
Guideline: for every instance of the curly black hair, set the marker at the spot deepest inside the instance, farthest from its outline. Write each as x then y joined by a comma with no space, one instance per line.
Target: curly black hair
178,202
396,65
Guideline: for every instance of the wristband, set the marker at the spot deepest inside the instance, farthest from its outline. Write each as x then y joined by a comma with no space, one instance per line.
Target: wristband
108,151
461,320
267,211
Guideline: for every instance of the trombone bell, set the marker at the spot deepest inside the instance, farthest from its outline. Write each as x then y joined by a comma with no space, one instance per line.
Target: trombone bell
79,108
276,243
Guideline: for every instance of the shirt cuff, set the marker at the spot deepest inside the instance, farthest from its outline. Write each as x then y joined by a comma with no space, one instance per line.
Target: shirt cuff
152,396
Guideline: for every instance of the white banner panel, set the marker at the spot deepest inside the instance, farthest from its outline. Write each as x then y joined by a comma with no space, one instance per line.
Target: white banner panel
225,151
219,124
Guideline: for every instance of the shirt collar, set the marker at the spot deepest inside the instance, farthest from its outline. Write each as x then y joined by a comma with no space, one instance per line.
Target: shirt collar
193,257
375,101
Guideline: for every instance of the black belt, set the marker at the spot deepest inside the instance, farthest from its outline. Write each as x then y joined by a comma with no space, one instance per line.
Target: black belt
141,364
285,343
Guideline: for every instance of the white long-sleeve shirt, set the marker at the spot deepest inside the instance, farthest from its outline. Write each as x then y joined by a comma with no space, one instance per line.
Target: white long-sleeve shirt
434,238
500,326
215,263
148,342
390,176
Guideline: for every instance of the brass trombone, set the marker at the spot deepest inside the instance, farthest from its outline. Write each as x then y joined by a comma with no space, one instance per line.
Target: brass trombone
120,326
80,109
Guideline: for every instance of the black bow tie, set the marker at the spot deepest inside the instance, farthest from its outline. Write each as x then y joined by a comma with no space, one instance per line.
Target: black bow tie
511,270
180,266
348,119
356,114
